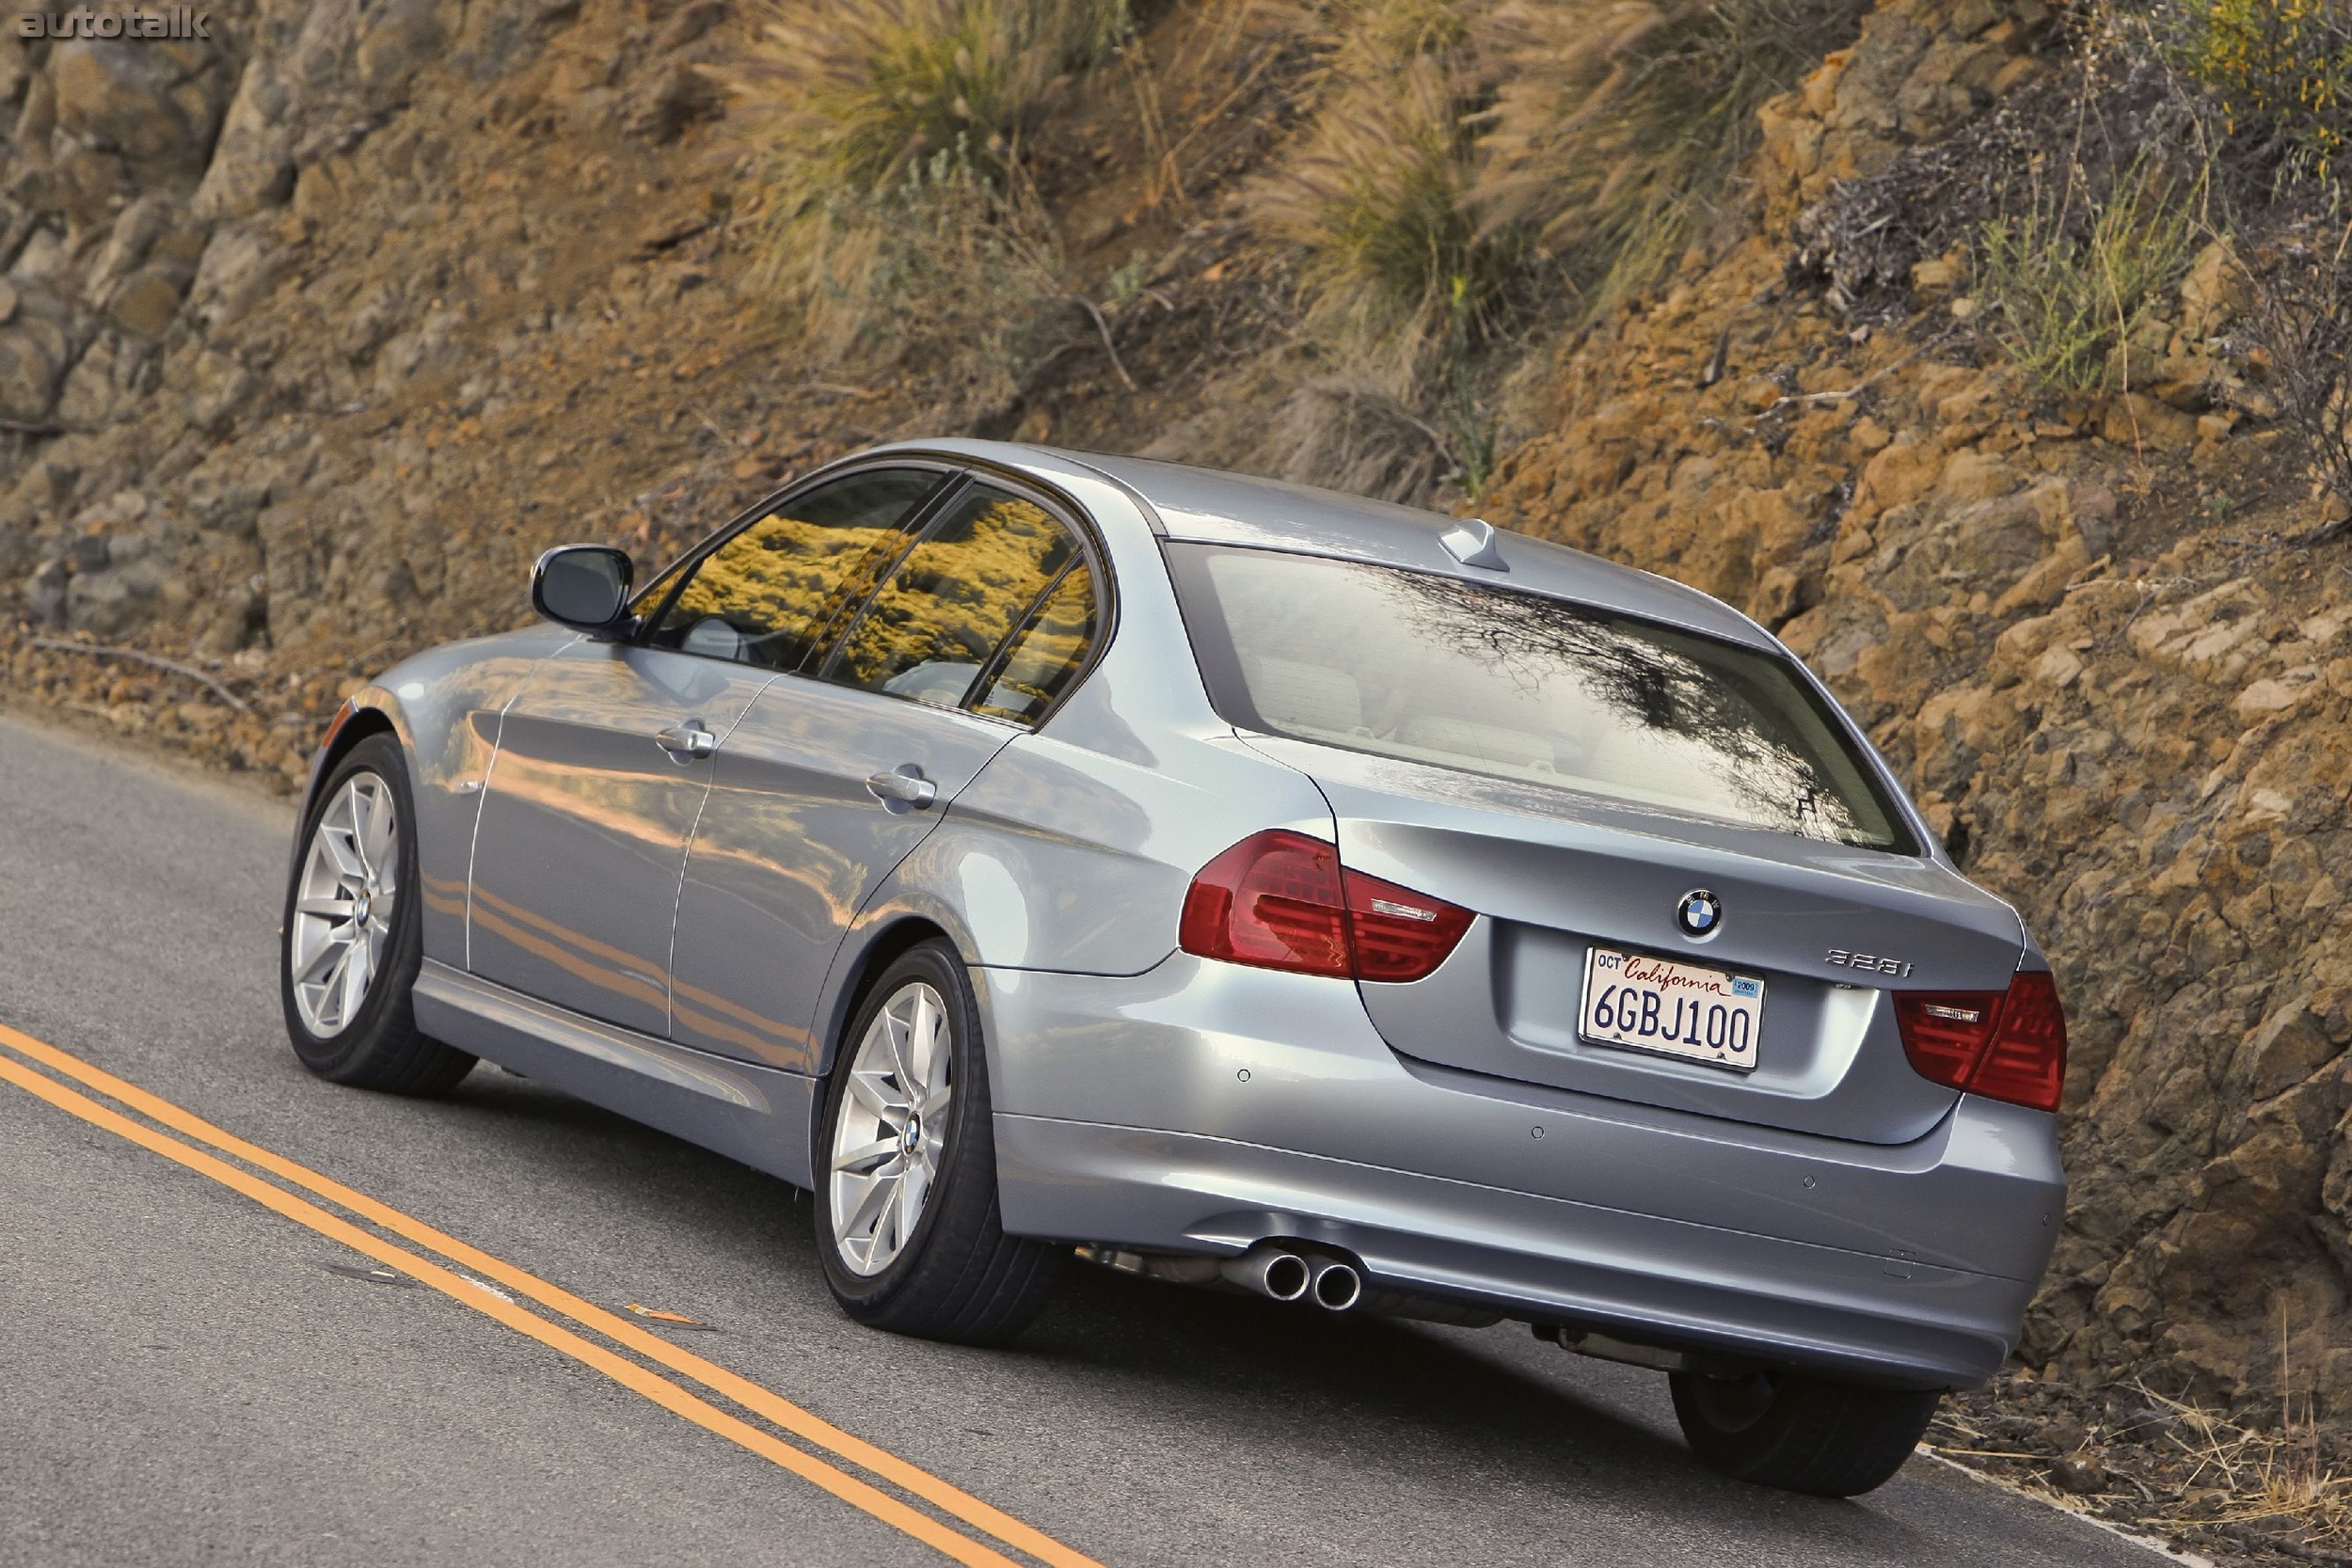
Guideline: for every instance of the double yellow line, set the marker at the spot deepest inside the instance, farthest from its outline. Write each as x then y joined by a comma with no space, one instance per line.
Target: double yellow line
666,1392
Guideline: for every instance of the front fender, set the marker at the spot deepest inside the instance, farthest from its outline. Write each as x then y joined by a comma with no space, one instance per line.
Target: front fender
444,707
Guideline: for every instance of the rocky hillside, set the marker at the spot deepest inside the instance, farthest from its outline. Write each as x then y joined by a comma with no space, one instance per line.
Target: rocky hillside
311,336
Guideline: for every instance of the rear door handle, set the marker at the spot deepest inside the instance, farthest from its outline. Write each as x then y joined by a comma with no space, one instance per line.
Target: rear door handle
903,786
686,741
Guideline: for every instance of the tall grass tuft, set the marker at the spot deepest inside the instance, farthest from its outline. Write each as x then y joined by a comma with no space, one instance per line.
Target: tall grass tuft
1396,275
1618,126
2069,291
852,109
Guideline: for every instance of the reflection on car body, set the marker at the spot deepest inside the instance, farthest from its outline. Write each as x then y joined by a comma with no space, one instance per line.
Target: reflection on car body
1037,853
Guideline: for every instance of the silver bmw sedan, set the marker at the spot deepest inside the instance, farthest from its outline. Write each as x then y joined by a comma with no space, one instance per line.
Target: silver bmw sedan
1043,855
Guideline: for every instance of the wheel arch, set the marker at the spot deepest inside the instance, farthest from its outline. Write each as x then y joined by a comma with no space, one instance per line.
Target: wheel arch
353,722
876,947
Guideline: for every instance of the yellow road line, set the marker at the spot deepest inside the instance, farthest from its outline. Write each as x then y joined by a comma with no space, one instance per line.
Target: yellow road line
765,1403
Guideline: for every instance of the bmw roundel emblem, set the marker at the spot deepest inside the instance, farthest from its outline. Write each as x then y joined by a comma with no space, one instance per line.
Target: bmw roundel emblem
1699,913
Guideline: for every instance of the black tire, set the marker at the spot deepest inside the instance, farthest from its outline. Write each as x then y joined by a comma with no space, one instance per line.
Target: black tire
379,1046
959,1277
1801,1434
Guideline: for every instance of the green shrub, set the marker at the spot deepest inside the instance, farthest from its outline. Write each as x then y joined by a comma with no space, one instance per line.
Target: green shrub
2275,67
2070,281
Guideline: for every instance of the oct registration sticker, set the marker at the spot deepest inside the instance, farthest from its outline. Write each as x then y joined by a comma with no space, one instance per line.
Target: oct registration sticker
1644,1004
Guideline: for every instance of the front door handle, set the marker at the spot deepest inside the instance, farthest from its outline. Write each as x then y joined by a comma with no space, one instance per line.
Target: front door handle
903,786
686,741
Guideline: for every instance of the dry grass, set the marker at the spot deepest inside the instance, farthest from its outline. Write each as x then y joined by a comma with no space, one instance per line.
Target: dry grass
2267,1476
855,113
1618,127
1396,275
1477,166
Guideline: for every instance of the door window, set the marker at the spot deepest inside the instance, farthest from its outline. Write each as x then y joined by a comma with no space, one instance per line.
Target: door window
769,596
938,620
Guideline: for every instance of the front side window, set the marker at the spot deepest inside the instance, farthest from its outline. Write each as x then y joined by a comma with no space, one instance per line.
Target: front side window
769,596
974,577
1519,686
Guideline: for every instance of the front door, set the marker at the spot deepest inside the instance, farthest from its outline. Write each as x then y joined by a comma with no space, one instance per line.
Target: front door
834,778
602,765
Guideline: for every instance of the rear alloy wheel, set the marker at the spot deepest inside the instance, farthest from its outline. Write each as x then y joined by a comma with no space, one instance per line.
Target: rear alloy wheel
1798,1432
907,1219
353,937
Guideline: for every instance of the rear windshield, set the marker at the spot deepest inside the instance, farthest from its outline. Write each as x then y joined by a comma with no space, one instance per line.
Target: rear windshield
1436,670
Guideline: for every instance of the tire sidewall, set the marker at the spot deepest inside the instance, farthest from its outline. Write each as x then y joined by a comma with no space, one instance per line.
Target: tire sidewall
387,999
864,1295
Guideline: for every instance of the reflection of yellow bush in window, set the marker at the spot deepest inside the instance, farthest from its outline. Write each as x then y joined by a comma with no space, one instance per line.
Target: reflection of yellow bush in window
776,573
960,592
1048,653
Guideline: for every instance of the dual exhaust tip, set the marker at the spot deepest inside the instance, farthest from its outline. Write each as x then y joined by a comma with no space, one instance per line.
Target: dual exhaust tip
1281,1274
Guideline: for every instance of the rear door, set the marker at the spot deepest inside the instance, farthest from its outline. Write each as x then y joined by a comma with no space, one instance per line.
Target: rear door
1572,777
839,771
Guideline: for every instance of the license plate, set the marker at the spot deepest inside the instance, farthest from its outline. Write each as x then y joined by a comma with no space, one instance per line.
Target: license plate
1676,1009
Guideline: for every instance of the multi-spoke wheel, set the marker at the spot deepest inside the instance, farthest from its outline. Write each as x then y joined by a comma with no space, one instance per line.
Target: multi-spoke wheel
887,1139
345,899
353,938
906,1213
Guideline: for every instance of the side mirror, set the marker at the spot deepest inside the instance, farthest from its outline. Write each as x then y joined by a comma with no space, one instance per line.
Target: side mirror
582,586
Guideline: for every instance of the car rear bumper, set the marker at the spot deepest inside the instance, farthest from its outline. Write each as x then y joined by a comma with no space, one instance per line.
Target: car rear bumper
1202,1108
1650,1279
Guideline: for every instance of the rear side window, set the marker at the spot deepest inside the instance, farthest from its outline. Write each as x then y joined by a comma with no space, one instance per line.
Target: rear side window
976,575
1046,655
1487,680
771,595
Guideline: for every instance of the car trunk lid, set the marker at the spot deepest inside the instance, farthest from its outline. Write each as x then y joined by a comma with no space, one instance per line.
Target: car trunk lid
1829,930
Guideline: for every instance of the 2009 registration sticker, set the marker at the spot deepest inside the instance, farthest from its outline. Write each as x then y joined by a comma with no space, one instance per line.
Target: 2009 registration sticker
1677,1009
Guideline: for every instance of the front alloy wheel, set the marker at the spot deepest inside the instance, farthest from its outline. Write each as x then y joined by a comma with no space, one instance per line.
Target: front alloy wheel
346,903
352,941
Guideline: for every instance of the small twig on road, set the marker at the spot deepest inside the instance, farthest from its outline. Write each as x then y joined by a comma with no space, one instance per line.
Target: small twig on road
170,666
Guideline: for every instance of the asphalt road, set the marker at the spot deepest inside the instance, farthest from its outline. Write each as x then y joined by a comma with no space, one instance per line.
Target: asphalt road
185,1377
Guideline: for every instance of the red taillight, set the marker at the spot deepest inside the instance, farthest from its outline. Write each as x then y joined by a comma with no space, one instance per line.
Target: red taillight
1281,900
2027,1061
1272,900
2004,1045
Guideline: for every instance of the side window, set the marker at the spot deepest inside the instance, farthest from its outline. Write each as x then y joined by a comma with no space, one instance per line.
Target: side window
767,596
938,620
1047,653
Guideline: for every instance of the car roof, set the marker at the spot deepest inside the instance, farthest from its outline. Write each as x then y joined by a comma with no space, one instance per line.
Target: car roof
1211,506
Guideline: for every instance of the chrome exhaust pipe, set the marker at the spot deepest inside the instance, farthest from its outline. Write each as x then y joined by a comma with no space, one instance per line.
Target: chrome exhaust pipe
1270,1272
1336,1286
